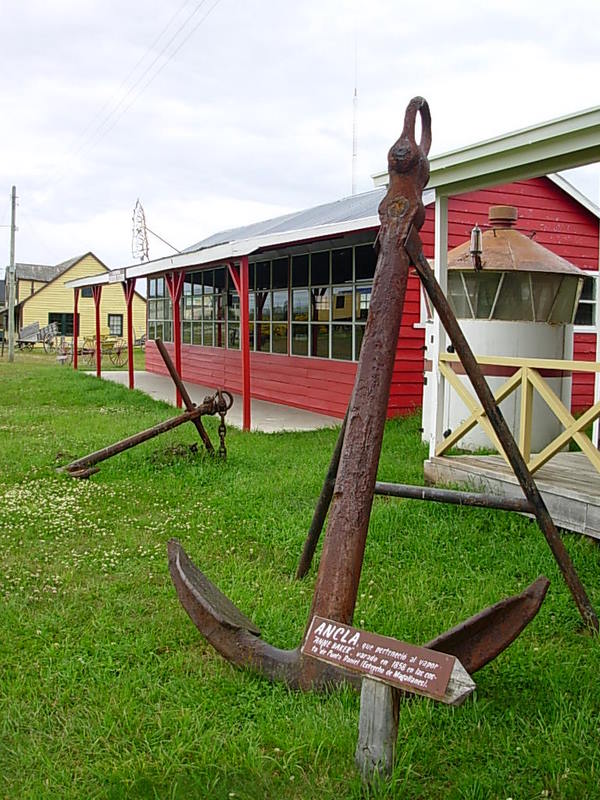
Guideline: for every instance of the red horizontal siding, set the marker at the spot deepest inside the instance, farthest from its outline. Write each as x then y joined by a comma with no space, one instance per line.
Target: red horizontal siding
559,223
313,384
582,389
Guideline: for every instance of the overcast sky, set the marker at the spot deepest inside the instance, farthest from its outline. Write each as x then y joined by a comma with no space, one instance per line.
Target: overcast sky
222,112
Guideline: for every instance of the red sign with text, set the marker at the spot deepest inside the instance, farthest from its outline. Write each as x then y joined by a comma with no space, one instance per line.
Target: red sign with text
410,668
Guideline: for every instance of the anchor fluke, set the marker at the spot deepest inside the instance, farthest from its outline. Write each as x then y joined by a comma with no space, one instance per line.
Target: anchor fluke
232,634
475,642
479,639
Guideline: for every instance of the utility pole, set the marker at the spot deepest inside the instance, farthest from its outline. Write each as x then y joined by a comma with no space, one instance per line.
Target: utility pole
12,278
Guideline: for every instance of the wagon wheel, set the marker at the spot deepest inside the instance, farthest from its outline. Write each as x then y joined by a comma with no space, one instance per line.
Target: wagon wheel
65,351
49,343
25,345
118,353
89,351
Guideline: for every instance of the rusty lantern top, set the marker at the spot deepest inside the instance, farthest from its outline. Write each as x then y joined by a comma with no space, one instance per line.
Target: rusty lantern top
505,249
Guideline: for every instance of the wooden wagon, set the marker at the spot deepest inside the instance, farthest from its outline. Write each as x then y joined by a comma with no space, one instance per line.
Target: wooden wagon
31,334
115,348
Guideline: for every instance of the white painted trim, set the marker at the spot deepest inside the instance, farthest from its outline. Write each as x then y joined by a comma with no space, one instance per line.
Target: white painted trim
548,147
596,425
567,187
436,331
232,251
590,273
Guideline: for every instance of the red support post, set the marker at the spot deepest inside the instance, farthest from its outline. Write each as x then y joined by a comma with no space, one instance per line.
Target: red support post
97,294
75,327
175,285
129,290
245,342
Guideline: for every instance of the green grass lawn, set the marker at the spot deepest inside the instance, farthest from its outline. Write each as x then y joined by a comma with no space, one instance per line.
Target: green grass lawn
85,363
108,691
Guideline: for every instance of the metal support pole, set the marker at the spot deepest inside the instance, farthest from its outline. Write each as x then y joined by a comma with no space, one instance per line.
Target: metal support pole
97,294
175,285
322,507
129,291
75,328
343,549
208,407
184,394
453,497
239,275
245,343
486,398
403,490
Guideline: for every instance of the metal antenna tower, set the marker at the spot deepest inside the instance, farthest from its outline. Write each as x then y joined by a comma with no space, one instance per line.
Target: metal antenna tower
139,235
139,239
354,117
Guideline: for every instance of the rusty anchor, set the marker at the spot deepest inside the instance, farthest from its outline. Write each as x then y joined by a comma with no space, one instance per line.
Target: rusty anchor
477,640
219,403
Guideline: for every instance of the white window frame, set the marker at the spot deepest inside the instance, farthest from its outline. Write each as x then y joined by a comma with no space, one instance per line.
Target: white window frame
426,307
114,317
595,303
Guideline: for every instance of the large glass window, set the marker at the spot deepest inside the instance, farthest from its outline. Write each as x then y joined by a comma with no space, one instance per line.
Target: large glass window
508,296
115,324
64,322
313,304
159,310
329,313
209,306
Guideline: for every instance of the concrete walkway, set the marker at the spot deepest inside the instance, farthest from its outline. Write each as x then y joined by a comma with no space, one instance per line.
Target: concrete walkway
265,417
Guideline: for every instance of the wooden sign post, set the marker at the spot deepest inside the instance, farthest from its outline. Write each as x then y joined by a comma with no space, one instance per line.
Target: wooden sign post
389,667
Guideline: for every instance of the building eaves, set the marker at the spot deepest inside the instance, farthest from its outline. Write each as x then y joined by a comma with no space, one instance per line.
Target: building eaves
542,149
348,208
44,273
348,215
581,198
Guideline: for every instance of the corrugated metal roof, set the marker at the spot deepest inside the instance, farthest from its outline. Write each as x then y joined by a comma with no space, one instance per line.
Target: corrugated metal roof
355,213
65,265
35,272
357,206
44,272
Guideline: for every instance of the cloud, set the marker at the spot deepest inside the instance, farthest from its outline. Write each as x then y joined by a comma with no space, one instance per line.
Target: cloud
253,115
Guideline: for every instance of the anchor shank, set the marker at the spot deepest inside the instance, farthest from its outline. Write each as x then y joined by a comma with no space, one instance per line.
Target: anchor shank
322,507
343,549
187,400
143,436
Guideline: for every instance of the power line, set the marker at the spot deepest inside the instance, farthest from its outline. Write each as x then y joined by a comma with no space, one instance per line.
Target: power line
160,69
28,228
100,130
129,75
138,80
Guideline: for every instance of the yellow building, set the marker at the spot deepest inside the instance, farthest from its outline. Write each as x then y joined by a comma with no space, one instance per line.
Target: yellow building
43,297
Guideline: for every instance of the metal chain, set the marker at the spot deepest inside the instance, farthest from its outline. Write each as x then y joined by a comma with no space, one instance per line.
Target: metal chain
222,410
222,432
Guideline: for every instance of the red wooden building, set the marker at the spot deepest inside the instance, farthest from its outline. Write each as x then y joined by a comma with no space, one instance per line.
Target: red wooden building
309,278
